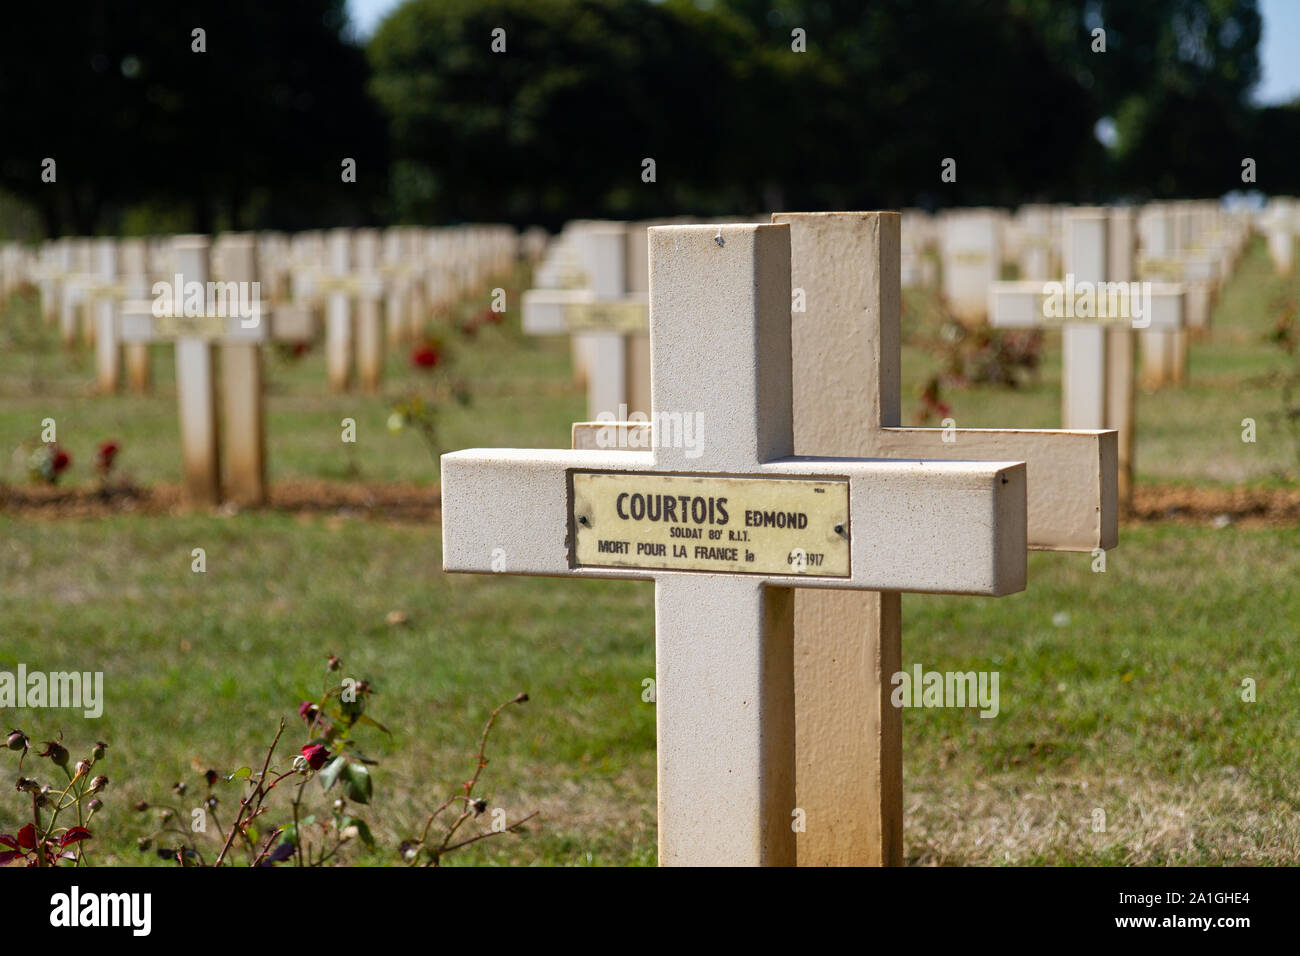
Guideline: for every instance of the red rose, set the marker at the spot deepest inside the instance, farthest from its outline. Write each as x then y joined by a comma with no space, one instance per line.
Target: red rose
59,459
426,356
107,452
316,755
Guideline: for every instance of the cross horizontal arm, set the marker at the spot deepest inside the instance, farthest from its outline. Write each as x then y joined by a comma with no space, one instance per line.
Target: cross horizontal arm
138,323
1072,489
543,309
1031,304
930,526
1072,496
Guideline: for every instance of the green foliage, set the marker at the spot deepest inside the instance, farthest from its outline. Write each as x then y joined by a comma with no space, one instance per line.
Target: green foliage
150,136
252,130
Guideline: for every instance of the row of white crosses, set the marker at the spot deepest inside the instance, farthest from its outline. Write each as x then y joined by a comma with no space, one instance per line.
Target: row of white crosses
351,275
1280,222
1096,308
974,244
1194,244
110,281
760,685
374,285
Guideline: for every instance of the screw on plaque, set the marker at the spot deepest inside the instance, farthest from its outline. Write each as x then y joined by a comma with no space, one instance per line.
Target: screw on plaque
839,529
584,521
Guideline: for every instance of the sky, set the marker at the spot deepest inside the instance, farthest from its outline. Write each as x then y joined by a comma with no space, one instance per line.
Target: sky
1279,48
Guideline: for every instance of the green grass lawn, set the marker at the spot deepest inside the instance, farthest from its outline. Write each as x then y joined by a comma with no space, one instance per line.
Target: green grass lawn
1120,692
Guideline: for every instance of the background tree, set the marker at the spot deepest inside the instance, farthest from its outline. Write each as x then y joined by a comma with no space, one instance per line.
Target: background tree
145,130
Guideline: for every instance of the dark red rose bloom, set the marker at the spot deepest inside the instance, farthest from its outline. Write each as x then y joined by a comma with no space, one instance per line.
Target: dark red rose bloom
107,452
307,711
59,460
316,755
426,356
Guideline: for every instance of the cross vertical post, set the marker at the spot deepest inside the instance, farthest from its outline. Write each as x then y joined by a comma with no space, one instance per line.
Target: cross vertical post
196,389
242,399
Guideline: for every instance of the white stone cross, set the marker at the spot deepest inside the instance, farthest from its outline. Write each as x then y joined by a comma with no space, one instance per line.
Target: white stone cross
1095,299
847,359
1165,256
972,259
1279,224
80,274
761,523
609,320
195,316
352,278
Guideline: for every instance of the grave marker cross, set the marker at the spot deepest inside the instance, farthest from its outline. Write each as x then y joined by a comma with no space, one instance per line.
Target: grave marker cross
720,350
608,320
847,644
240,336
1096,344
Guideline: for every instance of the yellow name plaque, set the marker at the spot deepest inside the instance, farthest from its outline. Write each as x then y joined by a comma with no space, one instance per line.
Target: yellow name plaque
191,326
794,526
625,317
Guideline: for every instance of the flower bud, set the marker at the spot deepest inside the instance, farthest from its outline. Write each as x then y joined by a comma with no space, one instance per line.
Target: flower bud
95,804
179,787
17,740
97,752
142,806
333,664
210,777
27,785
315,755
83,766
56,752
98,783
